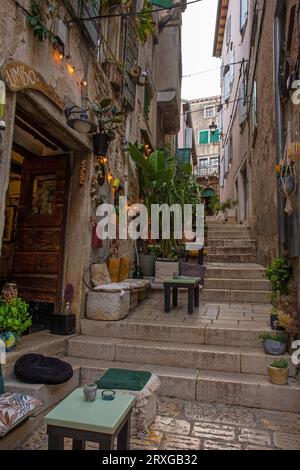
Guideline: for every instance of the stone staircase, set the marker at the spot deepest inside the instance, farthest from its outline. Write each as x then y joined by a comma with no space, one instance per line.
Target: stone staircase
232,275
213,356
200,363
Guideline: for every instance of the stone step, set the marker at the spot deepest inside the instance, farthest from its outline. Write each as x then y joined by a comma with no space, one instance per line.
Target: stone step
237,242
235,271
247,390
38,343
49,394
239,296
205,386
212,235
238,284
230,258
202,357
205,333
231,250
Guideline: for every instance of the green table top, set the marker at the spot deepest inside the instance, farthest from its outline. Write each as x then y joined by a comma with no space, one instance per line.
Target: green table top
183,280
97,416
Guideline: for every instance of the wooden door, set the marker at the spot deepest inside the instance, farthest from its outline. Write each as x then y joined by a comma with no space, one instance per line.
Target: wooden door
39,250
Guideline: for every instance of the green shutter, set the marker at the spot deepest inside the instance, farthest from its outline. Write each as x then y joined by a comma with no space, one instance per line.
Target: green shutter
215,137
203,137
131,54
162,3
184,155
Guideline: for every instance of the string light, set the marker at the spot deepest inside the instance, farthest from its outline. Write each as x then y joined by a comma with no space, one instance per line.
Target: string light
70,68
84,83
104,160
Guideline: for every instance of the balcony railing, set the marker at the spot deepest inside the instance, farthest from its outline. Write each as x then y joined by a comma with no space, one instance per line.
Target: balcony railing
204,171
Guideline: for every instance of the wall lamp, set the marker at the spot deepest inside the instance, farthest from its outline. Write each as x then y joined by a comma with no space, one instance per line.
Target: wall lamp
213,128
78,119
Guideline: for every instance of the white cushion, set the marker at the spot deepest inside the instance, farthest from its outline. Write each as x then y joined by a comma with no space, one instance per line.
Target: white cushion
165,270
100,274
113,287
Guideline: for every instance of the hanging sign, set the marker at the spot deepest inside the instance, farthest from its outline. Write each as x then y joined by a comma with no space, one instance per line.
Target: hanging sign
19,76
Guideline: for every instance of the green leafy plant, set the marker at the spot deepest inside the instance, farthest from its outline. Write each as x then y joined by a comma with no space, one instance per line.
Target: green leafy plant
14,316
109,117
279,273
280,364
281,338
154,250
144,22
216,206
165,180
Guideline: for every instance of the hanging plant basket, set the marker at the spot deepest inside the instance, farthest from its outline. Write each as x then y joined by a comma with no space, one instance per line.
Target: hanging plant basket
100,144
287,184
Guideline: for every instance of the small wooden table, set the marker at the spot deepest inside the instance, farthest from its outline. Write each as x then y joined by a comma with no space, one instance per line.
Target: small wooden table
192,284
99,421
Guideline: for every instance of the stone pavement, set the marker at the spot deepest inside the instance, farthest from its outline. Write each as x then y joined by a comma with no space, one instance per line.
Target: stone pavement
245,315
183,425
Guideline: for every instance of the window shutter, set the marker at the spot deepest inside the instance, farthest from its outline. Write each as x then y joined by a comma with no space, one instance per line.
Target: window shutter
226,85
228,31
162,3
243,103
222,174
203,137
232,67
226,159
131,54
243,13
214,138
88,10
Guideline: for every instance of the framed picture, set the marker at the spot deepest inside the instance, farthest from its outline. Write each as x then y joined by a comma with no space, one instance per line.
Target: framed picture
9,223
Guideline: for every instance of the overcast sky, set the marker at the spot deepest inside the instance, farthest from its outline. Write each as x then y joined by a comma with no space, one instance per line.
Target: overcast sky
197,46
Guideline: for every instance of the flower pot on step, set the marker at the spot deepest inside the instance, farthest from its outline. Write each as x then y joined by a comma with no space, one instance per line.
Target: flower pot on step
278,376
147,264
274,348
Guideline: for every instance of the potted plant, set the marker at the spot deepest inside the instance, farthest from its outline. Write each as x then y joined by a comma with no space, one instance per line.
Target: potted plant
108,119
148,258
279,273
274,344
14,319
274,320
278,372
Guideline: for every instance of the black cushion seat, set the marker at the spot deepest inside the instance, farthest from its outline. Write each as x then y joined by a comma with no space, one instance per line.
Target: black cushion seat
39,369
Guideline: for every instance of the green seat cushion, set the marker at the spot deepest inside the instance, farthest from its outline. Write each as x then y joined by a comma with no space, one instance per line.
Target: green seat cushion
120,379
1,381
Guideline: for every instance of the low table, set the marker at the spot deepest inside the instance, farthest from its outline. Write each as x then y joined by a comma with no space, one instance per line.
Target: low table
99,421
192,284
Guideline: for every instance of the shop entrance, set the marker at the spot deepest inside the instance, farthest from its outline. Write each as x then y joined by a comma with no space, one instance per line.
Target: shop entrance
36,212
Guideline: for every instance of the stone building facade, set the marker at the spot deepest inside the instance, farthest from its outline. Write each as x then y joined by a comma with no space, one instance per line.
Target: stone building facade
47,169
203,114
264,38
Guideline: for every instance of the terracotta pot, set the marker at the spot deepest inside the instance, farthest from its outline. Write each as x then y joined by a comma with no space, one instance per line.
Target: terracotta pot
278,376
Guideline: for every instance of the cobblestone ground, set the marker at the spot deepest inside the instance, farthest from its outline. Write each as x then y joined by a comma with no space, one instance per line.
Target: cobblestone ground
182,425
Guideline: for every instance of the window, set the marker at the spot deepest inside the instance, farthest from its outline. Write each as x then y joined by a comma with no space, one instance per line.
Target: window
210,111
214,162
243,14
227,85
203,137
90,9
203,162
206,137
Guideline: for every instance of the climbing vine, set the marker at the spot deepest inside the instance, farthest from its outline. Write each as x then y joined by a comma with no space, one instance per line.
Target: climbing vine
43,12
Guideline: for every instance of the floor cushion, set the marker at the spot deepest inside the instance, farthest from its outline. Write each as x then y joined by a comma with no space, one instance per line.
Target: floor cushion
109,302
123,379
164,270
100,274
14,408
145,408
39,369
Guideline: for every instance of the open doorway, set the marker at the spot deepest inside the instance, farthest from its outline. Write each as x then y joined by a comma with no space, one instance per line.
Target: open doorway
35,218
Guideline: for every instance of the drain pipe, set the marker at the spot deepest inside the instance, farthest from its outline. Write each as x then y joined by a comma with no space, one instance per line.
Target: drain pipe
279,129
